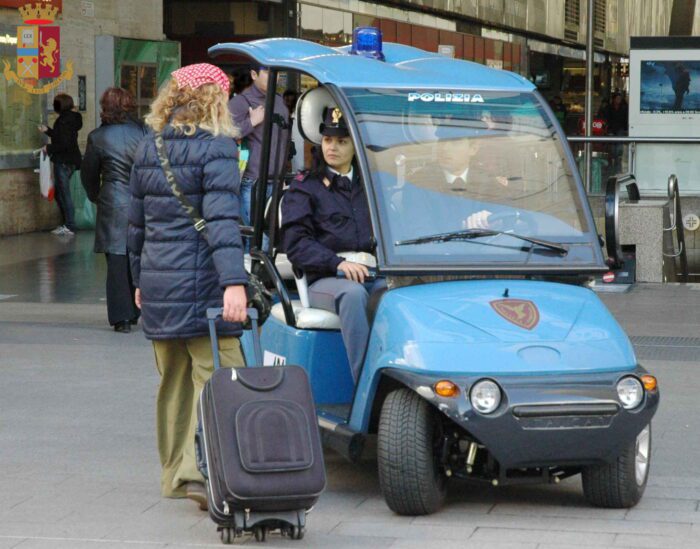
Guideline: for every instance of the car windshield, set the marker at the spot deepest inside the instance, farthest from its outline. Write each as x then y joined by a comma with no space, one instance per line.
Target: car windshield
446,161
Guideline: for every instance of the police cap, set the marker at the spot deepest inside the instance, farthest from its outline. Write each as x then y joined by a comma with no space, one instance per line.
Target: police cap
333,124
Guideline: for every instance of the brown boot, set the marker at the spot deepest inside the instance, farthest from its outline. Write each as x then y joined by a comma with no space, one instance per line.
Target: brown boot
196,491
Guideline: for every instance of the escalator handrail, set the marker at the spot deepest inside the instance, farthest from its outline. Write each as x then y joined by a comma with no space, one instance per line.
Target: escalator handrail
612,214
674,202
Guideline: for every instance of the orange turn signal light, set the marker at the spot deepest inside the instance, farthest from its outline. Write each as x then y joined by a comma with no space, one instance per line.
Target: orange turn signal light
445,388
649,382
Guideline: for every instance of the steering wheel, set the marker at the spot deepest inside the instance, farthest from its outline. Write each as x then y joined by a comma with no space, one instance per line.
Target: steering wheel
518,222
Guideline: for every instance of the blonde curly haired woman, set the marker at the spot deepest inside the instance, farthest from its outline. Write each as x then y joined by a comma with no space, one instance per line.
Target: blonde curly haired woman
179,271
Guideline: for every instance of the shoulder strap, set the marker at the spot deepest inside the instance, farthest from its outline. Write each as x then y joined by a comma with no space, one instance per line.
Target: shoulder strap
198,221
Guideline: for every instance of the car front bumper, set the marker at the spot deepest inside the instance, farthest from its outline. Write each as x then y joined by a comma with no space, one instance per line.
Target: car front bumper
555,420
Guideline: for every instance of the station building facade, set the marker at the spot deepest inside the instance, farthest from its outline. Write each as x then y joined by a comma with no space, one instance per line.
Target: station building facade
136,43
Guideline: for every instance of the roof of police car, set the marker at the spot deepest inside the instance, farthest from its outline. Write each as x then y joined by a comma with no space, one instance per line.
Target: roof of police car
405,66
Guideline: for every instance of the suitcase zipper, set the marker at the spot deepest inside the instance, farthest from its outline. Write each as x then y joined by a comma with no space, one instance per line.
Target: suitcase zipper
227,511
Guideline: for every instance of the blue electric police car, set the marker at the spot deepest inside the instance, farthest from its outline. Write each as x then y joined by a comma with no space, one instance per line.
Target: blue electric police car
489,358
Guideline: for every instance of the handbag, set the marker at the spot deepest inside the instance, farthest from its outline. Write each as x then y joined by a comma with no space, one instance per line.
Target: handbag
46,184
258,296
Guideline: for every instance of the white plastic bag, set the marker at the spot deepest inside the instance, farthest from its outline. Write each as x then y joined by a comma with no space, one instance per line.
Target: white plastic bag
45,176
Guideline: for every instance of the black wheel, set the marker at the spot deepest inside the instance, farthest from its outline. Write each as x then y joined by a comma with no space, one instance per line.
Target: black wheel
297,533
260,533
408,442
620,484
227,535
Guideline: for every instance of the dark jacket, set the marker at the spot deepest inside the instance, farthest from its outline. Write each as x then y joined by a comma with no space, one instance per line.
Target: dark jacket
319,221
105,173
252,97
179,271
618,119
63,148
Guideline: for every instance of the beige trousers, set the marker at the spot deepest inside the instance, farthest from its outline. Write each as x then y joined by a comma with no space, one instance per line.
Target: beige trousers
184,366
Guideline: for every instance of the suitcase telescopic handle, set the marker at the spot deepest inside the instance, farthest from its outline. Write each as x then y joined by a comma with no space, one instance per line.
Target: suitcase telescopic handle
213,314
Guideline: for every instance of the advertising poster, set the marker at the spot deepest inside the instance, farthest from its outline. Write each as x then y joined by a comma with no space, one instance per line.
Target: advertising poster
669,87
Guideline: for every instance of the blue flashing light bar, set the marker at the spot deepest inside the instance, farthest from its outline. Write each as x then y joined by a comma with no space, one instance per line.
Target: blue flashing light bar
367,42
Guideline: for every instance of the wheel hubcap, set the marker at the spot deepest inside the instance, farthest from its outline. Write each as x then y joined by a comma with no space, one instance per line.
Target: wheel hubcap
641,455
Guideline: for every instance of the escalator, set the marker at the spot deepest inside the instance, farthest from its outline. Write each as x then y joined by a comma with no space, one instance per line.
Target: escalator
623,259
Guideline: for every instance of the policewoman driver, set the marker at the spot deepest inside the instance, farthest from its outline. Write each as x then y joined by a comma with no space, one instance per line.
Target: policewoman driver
178,271
322,215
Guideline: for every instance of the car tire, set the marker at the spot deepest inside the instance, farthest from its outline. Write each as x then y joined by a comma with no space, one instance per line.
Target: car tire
620,484
410,476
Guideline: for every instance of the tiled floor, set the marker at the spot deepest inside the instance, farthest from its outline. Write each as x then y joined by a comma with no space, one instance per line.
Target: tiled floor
41,267
79,467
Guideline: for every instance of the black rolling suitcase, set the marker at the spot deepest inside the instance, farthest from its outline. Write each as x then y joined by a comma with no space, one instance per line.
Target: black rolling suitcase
258,446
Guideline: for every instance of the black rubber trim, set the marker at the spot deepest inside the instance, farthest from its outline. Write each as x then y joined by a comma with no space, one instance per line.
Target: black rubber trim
567,410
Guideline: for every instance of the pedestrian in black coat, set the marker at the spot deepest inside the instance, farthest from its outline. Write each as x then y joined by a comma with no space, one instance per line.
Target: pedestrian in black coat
105,176
180,272
65,155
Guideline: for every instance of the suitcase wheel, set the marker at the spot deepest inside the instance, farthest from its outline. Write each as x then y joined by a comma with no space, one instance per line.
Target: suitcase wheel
227,535
293,531
260,533
297,532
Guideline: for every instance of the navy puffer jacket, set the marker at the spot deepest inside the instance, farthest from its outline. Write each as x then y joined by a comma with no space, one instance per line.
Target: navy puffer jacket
179,272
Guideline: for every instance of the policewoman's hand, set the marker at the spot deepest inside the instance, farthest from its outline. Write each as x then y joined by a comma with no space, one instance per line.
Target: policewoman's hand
235,303
137,297
354,271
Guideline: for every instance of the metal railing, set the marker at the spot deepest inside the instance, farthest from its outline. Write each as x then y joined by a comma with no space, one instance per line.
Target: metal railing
612,214
631,152
674,203
612,221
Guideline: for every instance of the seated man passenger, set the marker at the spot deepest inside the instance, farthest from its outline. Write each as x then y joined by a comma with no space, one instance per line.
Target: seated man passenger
469,174
322,215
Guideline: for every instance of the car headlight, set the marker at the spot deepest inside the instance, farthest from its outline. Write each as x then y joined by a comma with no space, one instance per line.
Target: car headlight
630,392
485,396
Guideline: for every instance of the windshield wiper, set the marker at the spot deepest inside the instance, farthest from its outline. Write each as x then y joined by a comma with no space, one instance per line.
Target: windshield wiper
468,234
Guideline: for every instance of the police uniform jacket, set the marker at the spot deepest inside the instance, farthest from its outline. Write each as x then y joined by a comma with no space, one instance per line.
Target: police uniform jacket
180,271
318,221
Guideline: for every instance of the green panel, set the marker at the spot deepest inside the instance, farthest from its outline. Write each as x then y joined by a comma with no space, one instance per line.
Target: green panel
165,55
168,60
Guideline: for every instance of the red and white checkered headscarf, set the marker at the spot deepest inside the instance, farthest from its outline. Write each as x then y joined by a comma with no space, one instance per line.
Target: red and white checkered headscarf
199,74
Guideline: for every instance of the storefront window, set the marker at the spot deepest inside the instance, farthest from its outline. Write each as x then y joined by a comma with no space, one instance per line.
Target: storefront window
326,26
20,112
141,81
